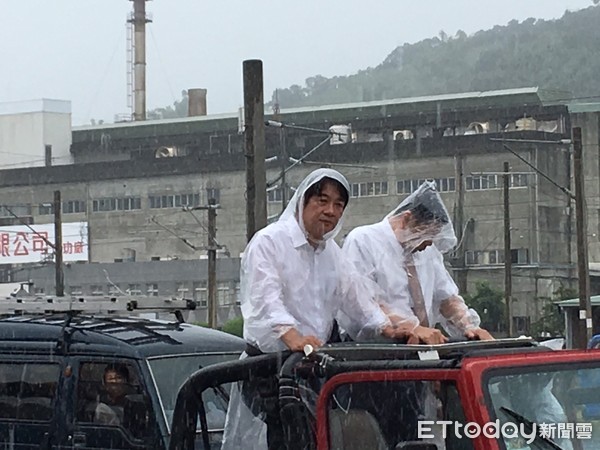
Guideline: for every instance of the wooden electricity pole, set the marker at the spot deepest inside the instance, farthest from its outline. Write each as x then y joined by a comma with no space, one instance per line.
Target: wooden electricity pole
507,252
212,263
585,306
254,146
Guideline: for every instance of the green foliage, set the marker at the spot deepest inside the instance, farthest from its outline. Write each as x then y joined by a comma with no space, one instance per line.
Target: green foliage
489,304
179,109
234,326
552,321
551,54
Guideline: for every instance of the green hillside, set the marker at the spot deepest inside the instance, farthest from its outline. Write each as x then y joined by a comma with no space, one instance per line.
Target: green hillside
557,54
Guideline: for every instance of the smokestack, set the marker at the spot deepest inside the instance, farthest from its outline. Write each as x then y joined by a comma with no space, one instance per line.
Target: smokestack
196,102
139,21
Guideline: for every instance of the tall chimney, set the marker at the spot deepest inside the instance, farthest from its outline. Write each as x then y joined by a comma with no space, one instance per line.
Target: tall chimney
196,102
139,21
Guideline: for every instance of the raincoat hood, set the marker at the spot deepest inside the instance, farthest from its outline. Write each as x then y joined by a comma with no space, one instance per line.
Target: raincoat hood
296,205
430,220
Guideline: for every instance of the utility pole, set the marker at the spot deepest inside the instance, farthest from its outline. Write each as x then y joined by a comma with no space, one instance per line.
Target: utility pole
507,252
283,158
459,220
254,145
585,306
58,246
211,249
212,263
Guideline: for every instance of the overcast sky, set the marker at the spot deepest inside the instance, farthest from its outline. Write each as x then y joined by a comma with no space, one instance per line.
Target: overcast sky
76,49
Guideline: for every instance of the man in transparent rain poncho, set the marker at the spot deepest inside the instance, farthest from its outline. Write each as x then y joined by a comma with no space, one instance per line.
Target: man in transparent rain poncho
403,255
293,284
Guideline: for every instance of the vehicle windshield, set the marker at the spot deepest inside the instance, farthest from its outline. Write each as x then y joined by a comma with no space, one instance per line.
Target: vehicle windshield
170,373
560,405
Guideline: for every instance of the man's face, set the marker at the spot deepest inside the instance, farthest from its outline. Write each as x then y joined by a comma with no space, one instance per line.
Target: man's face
323,212
115,384
413,236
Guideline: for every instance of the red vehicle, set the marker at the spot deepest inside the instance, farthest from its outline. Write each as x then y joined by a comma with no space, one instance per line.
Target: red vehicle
506,394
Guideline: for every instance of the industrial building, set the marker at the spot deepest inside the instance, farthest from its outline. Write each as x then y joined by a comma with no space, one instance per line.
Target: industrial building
134,184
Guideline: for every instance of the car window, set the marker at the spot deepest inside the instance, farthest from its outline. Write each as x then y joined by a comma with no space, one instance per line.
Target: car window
111,394
27,390
392,414
168,381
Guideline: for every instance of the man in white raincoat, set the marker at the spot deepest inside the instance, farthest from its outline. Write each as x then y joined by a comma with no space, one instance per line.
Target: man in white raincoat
397,253
293,284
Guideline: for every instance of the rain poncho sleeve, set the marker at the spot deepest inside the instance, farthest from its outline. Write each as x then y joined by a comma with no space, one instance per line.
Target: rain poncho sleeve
458,318
360,251
266,318
453,313
360,313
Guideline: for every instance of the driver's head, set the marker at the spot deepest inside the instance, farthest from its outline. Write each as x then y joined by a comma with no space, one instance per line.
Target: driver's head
116,381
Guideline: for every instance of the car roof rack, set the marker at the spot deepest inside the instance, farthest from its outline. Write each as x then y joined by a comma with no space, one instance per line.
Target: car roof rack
47,304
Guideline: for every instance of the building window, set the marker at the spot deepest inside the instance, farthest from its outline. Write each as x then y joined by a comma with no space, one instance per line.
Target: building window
182,289
213,193
488,257
447,184
487,182
369,189
73,207
103,204
23,210
116,204
519,180
113,290
97,289
76,290
173,201
521,324
274,195
519,255
45,209
238,297
201,295
152,289
223,296
134,289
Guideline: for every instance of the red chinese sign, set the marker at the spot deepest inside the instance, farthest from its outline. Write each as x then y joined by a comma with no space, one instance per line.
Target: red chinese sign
22,244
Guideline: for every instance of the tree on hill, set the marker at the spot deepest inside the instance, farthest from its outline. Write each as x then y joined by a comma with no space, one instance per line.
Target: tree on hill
552,54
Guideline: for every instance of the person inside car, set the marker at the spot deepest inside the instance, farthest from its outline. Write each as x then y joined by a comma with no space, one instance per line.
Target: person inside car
115,384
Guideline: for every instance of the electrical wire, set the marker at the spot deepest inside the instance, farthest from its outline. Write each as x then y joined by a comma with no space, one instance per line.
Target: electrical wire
106,71
162,65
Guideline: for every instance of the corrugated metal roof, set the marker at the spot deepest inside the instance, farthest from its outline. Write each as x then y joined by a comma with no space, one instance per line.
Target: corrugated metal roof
575,108
532,94
574,302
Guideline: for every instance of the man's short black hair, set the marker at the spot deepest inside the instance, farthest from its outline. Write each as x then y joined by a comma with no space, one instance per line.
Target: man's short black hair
316,189
119,368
